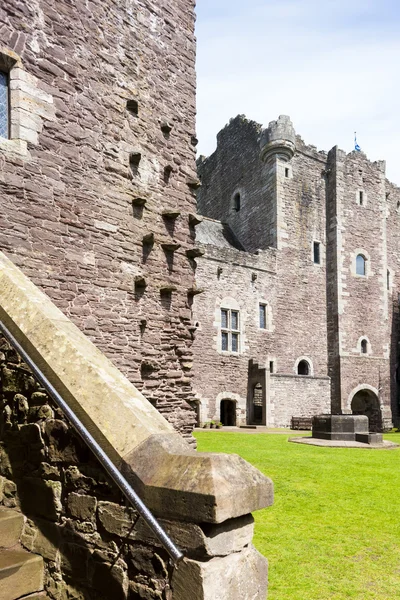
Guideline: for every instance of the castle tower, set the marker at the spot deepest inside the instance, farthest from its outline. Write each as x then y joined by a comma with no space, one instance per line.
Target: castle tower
277,144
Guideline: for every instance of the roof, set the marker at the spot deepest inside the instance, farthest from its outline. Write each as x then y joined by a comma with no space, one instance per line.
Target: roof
218,234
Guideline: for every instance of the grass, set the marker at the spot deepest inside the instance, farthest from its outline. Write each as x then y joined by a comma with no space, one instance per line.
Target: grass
333,532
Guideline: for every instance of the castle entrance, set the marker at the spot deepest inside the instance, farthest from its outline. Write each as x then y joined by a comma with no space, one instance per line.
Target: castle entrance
366,402
228,413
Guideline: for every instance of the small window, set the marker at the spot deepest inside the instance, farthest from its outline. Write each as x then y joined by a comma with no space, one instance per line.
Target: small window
286,172
388,279
4,106
263,316
303,368
361,197
361,265
229,330
237,202
317,253
271,366
364,347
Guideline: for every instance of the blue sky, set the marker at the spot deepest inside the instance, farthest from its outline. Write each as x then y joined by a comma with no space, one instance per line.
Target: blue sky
332,65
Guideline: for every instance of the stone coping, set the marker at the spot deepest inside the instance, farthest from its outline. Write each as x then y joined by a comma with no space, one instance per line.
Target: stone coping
310,441
173,479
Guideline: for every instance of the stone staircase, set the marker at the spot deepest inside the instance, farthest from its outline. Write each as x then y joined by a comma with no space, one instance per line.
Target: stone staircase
21,573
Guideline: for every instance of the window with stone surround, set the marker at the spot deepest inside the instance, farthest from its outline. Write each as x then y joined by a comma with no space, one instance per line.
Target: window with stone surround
304,366
364,346
4,105
361,265
230,333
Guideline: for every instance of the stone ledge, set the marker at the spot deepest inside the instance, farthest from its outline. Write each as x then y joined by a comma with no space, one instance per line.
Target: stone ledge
175,481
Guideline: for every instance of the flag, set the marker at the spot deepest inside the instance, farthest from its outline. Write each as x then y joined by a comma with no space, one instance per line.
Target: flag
356,146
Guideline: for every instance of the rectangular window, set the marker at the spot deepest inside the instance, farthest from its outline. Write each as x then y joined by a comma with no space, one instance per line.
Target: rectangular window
263,316
286,172
317,253
361,198
271,366
4,105
229,330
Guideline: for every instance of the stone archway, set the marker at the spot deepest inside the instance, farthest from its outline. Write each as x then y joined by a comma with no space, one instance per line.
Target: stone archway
366,402
228,413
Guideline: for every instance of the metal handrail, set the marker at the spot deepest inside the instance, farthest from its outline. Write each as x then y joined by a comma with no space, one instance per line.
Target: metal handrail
175,554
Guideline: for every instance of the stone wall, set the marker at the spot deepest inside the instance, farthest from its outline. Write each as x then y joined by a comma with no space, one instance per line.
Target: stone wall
97,181
94,546
298,396
321,308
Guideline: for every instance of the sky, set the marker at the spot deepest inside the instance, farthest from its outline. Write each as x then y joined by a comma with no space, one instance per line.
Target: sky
333,66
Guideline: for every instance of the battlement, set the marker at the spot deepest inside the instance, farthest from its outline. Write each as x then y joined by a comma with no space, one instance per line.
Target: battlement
278,139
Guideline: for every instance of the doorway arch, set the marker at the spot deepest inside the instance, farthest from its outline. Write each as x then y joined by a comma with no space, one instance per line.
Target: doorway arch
365,401
228,412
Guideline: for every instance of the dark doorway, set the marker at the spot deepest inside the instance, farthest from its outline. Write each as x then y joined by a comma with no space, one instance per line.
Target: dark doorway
258,404
228,413
365,402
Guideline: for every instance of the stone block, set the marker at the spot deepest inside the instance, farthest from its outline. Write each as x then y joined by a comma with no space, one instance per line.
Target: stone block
40,498
82,507
243,575
339,427
42,537
369,438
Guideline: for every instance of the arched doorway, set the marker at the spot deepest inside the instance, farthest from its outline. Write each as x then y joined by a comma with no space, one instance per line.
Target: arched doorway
366,402
228,413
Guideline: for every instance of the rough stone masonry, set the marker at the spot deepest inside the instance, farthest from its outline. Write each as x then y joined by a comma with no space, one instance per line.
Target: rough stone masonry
98,173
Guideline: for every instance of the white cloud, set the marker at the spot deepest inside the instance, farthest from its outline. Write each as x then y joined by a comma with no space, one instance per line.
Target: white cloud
332,66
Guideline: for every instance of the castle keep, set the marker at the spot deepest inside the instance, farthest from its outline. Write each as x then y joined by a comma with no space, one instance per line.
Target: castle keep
298,268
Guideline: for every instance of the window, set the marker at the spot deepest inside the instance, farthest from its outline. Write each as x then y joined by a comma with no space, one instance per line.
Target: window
271,366
364,347
361,198
4,105
303,368
388,279
236,202
229,330
360,265
317,253
286,172
263,316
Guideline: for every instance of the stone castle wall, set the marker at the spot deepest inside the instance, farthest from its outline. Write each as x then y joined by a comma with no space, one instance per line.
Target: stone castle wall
321,310
94,547
96,183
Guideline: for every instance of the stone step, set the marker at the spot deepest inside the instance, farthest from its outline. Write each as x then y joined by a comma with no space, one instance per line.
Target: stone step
11,523
21,573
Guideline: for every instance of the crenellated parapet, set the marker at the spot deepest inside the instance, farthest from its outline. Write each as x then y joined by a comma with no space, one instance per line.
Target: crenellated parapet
279,139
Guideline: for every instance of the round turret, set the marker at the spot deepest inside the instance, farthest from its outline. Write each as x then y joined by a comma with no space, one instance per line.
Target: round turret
278,139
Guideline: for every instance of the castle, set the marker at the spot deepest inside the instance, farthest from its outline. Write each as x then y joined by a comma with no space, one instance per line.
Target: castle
297,279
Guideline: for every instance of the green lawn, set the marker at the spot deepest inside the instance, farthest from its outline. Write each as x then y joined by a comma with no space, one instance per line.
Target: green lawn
334,530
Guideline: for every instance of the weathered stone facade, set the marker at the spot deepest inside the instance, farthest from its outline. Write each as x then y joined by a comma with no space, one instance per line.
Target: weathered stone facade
94,547
97,178
288,225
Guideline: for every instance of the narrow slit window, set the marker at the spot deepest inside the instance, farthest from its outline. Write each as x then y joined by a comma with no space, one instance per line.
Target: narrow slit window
388,279
364,347
237,202
361,198
263,316
286,172
4,106
317,253
271,366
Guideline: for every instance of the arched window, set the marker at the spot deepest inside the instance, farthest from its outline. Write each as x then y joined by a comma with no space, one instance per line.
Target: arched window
364,346
303,368
236,202
360,265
